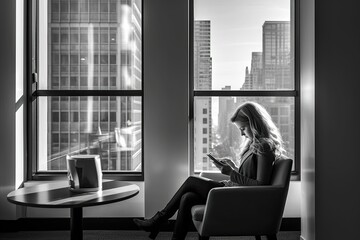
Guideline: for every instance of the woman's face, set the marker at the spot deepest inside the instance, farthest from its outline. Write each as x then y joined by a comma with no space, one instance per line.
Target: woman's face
244,128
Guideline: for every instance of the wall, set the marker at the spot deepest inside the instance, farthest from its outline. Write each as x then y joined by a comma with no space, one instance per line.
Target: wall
7,106
166,100
292,206
337,114
307,97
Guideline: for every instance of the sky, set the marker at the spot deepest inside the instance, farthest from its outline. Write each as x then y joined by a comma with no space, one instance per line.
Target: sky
236,32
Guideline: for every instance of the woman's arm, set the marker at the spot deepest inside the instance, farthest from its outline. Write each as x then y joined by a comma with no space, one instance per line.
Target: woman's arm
229,162
257,172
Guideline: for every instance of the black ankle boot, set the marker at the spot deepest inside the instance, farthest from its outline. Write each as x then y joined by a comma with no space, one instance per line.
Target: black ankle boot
151,225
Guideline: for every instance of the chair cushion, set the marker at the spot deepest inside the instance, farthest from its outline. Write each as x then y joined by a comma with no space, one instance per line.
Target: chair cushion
197,212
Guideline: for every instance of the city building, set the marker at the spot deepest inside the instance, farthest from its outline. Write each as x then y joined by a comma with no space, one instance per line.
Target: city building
202,81
256,70
227,136
277,54
248,83
93,45
278,75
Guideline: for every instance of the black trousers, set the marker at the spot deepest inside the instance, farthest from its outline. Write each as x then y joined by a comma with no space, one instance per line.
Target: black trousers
192,192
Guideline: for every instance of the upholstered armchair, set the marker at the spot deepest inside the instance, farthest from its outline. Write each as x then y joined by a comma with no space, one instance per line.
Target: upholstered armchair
244,210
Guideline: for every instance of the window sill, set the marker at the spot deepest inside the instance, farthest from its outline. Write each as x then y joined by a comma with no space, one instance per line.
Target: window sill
44,176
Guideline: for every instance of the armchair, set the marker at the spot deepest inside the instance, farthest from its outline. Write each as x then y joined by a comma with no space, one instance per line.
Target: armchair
244,210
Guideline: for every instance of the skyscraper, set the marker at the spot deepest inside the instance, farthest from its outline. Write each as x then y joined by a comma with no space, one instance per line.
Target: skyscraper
202,81
248,83
278,75
272,69
277,55
253,78
256,70
228,136
94,45
223,114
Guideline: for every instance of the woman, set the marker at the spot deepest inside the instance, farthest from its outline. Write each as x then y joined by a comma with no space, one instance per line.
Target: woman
262,145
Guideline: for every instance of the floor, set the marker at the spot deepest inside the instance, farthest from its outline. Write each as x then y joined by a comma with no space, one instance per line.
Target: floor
123,235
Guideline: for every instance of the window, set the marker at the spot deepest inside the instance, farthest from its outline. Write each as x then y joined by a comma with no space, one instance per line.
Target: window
87,101
204,131
248,58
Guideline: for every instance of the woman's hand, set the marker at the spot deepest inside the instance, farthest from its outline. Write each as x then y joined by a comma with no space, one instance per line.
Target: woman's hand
229,162
227,166
219,166
226,169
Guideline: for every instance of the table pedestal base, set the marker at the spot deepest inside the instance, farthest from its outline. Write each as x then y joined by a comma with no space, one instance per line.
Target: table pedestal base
76,223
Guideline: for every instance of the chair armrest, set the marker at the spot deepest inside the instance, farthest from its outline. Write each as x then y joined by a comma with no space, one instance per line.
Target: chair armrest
216,176
257,209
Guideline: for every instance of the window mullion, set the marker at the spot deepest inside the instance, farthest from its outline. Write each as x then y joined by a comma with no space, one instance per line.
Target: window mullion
217,93
41,93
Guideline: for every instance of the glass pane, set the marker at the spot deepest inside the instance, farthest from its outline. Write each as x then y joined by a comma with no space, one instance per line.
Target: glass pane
214,132
89,47
243,45
108,126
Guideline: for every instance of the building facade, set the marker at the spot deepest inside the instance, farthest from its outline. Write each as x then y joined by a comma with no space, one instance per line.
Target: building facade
278,74
94,45
202,105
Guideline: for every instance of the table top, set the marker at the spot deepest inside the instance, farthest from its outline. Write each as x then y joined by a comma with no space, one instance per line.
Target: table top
57,194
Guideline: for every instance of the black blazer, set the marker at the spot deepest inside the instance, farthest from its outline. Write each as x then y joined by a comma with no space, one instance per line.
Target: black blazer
255,169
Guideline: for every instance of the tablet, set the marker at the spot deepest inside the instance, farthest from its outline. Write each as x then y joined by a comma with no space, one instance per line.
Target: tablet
215,160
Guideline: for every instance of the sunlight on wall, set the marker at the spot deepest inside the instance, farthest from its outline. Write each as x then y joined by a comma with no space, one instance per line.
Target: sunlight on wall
19,91
43,84
19,165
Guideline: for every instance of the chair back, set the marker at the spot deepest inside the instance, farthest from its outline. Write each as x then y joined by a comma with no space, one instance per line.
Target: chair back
281,178
281,172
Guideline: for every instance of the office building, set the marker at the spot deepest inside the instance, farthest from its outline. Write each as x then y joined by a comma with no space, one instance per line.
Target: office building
94,45
272,69
277,55
278,75
256,70
202,107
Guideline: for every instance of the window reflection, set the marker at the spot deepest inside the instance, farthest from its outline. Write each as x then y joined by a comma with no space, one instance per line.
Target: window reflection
108,126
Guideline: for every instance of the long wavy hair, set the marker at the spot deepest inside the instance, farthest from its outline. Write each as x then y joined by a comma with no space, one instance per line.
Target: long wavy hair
262,127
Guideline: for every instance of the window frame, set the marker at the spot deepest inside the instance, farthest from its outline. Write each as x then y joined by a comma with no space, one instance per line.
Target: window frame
295,94
33,94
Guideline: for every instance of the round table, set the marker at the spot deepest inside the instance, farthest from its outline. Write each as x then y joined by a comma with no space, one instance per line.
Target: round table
58,195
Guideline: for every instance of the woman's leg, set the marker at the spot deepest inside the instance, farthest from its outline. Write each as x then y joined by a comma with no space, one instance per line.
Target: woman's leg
200,186
183,220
